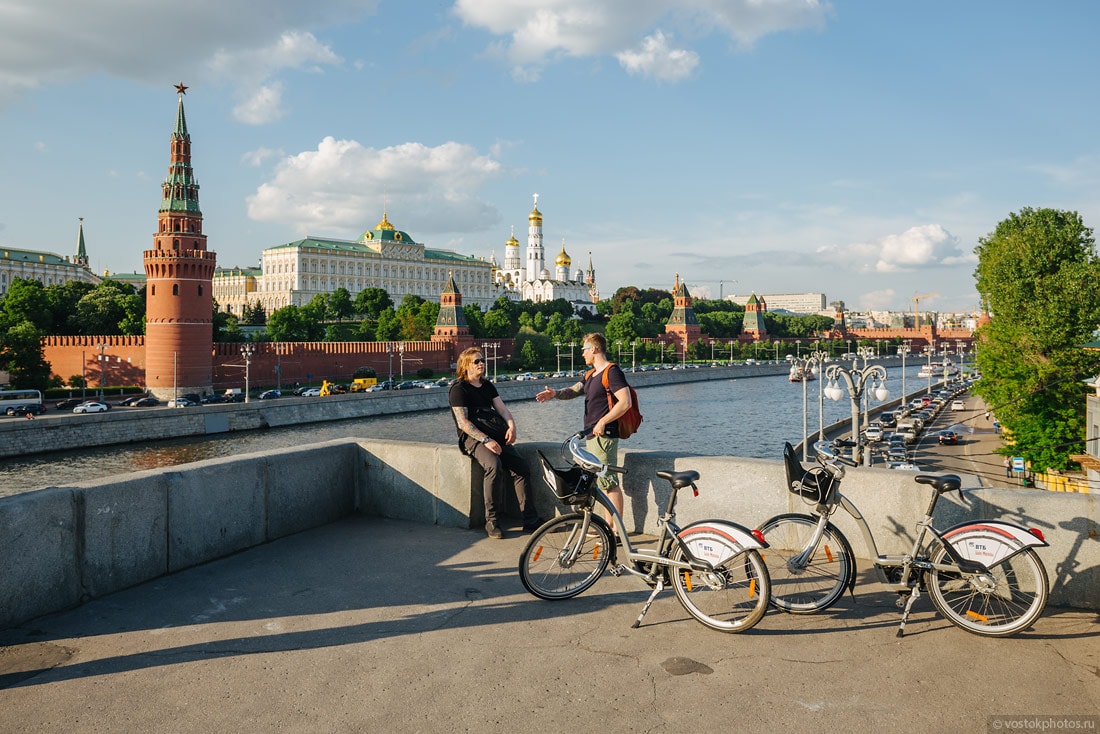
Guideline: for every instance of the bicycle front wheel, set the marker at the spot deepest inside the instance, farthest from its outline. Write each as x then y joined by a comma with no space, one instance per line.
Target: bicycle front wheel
561,560
806,580
999,604
733,597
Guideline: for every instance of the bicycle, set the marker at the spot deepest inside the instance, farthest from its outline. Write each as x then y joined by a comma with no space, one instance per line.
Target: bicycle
713,566
983,575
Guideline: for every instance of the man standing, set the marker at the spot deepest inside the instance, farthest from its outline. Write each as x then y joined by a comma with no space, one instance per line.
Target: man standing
600,419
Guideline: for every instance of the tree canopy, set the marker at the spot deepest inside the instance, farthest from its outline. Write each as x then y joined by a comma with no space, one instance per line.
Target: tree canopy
1037,274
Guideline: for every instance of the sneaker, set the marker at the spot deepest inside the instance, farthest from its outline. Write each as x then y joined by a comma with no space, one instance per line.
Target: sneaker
493,531
529,526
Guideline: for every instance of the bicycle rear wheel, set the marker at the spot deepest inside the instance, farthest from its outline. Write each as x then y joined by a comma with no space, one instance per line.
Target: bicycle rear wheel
732,598
819,581
544,565
1001,604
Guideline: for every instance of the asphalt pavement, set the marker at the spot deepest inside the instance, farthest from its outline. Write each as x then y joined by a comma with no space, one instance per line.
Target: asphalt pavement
378,625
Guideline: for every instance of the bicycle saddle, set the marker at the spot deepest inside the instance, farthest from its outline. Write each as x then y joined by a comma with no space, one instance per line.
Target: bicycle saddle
679,479
942,482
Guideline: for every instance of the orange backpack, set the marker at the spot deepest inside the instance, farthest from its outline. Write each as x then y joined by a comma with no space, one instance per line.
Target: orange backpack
629,421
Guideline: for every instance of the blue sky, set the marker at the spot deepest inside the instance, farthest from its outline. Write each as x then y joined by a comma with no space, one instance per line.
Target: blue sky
857,148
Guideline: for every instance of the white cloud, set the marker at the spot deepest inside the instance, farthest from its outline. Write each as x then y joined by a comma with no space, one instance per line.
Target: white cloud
262,106
256,158
59,41
925,246
655,59
632,30
882,300
340,188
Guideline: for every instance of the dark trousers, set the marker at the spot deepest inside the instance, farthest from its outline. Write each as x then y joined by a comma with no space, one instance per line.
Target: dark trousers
494,467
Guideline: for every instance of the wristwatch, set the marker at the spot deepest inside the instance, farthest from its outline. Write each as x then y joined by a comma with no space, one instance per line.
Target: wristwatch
486,439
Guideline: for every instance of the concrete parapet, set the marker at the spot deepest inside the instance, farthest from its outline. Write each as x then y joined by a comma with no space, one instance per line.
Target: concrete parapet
59,547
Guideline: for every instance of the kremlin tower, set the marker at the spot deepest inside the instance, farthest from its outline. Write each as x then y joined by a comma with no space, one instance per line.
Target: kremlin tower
179,270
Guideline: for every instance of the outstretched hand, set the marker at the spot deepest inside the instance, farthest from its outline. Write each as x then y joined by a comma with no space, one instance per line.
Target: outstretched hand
548,393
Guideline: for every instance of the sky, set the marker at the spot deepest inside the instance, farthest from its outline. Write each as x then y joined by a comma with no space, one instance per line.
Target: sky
858,148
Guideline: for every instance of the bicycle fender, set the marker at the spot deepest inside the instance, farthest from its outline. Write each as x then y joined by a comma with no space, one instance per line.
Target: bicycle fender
990,541
715,541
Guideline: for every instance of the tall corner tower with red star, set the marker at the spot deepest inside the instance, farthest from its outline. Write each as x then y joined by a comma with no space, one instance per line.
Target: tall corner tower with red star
179,271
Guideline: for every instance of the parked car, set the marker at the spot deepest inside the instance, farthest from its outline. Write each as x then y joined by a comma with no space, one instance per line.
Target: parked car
147,403
92,406
182,403
948,438
28,409
270,395
214,400
68,403
132,399
311,392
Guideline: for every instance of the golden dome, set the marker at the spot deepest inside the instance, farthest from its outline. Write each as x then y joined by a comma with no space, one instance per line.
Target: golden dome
385,223
512,242
563,259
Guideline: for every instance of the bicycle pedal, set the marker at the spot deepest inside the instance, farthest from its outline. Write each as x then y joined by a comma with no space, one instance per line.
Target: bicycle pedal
617,570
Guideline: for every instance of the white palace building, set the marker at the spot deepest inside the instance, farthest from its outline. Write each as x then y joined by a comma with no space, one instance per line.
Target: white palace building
388,258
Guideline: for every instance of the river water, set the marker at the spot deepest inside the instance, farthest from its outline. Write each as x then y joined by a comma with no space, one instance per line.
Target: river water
748,417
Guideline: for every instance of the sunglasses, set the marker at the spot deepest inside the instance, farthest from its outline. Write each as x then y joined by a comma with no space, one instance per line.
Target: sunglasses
585,349
479,361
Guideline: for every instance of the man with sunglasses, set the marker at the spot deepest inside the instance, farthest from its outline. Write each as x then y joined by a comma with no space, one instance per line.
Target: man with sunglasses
600,419
471,397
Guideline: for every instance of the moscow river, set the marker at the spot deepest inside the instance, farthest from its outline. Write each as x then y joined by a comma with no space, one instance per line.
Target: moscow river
748,417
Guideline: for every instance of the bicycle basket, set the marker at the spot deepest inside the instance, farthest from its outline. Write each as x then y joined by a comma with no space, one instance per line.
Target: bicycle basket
813,485
573,486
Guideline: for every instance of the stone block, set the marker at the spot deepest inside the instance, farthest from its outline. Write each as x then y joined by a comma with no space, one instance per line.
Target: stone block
39,546
125,532
310,486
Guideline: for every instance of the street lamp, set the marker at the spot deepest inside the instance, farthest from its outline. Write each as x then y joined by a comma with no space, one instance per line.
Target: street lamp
102,362
247,350
797,348
633,355
903,349
808,367
856,382
485,347
928,350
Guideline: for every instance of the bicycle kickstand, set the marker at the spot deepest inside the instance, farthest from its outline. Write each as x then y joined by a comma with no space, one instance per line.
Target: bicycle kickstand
656,590
908,606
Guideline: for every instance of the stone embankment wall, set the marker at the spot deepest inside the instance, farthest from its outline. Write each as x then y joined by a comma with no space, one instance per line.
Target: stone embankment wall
62,546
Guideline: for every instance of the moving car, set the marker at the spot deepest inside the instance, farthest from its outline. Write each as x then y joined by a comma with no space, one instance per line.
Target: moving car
182,403
68,403
958,405
92,406
28,409
146,403
270,394
873,433
948,438
311,392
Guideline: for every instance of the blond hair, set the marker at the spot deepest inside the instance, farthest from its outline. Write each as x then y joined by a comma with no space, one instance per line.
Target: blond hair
465,362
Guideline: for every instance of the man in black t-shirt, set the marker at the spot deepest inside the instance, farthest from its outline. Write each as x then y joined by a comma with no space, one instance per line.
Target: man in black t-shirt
471,397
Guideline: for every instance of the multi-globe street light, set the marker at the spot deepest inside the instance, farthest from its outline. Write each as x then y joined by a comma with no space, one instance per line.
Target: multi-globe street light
247,350
856,381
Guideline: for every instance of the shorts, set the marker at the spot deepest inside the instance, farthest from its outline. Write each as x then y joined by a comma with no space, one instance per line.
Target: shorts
607,451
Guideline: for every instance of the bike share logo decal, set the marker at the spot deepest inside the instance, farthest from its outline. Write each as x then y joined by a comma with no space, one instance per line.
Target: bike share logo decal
979,549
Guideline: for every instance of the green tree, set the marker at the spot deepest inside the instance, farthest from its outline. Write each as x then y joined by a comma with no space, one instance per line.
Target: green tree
1037,274
253,314
339,304
388,328
288,324
63,299
21,354
475,320
371,302
622,327
26,301
112,308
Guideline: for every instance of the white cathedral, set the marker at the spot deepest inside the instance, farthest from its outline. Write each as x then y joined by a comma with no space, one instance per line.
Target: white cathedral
532,280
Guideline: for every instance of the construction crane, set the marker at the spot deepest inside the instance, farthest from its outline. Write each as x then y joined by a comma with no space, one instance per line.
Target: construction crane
916,306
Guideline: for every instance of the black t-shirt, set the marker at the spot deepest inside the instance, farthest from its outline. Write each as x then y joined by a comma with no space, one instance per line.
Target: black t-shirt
464,395
595,398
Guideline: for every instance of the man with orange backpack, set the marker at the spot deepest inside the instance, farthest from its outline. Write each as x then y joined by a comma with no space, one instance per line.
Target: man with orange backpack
607,398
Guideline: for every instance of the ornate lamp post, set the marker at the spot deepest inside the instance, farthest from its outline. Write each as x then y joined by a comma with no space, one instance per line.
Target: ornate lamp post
247,350
903,349
810,364
856,382
485,348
